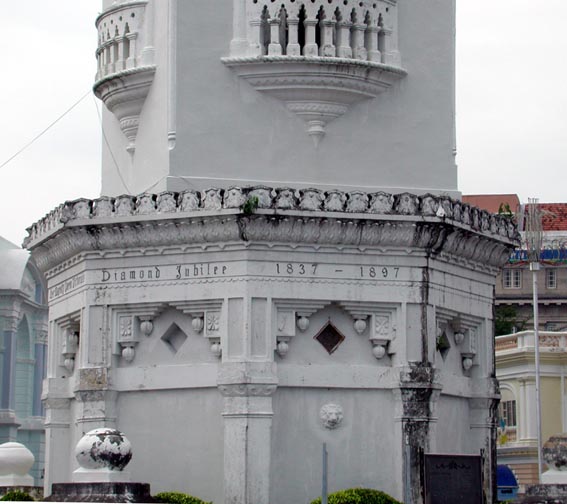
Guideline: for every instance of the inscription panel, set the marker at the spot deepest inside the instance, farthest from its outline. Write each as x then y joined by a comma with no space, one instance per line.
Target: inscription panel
453,478
230,269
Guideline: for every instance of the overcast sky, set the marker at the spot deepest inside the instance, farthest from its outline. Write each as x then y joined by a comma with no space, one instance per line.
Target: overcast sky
511,103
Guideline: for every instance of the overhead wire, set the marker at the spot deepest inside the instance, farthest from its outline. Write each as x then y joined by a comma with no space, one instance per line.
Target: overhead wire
110,149
39,135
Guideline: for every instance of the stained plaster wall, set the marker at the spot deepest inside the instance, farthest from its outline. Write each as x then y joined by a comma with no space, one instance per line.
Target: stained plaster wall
178,440
452,430
363,452
228,133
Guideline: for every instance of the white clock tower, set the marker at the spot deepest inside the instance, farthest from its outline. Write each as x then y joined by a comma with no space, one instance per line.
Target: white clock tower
279,259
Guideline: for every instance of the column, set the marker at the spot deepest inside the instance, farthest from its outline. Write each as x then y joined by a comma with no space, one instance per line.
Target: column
373,52
416,397
483,421
57,441
239,42
39,373
7,399
247,389
359,49
327,48
293,48
310,48
274,48
343,43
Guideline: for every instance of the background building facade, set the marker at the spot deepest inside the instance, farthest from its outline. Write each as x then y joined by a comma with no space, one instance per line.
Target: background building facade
23,314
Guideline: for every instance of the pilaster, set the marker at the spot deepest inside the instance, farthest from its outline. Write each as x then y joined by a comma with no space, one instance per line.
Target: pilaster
416,397
247,389
57,441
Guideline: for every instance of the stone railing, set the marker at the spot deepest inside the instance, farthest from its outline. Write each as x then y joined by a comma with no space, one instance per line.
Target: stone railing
262,199
119,38
362,30
524,340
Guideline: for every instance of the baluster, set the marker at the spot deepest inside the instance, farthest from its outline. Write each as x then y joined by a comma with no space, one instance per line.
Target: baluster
373,52
327,47
293,48
358,41
310,48
107,58
255,48
274,48
121,58
391,55
131,61
343,39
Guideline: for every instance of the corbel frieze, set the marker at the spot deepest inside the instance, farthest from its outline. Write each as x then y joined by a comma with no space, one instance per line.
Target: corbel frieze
130,323
206,318
291,315
378,320
464,331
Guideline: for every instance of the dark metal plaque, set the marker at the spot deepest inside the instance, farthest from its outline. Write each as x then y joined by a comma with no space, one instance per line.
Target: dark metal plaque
451,479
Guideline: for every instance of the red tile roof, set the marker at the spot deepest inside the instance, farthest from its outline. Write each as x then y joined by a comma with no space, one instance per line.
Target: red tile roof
492,202
553,216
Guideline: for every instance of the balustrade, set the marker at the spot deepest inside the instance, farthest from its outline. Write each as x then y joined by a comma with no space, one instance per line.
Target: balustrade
119,31
362,30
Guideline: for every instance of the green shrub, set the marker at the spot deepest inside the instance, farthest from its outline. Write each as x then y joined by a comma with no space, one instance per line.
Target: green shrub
178,498
17,495
358,496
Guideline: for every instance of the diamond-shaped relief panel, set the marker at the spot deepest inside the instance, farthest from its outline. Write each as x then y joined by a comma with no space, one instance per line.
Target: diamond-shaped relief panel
174,338
443,344
330,337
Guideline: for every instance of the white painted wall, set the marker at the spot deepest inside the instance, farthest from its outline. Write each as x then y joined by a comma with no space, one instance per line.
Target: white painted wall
228,133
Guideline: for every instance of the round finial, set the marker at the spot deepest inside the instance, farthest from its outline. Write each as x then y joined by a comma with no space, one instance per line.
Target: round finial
15,459
555,452
103,448
360,325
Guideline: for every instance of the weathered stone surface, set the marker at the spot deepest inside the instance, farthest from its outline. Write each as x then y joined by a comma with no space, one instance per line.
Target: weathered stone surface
100,492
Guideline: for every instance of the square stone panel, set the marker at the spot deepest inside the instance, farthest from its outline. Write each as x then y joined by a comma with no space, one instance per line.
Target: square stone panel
330,337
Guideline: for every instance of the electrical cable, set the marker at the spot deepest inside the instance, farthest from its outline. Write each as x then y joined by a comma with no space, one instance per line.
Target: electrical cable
109,149
45,130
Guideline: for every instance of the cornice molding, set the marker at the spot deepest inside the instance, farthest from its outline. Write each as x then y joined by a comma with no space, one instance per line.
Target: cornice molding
438,225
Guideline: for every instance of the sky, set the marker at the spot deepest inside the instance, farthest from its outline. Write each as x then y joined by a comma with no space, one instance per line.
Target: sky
511,103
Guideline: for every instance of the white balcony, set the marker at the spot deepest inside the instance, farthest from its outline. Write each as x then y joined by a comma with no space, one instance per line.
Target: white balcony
317,56
125,68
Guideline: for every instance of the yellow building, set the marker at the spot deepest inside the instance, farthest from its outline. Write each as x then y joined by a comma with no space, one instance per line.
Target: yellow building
515,369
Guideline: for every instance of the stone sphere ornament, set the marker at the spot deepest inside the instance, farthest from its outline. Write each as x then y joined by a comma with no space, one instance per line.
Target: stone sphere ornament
103,449
15,458
331,415
378,351
360,325
555,452
303,323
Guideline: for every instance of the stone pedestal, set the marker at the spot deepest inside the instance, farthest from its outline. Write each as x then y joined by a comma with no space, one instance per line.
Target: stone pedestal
100,492
240,314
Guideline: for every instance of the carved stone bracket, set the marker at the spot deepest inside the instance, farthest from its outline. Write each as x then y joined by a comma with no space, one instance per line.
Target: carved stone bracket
130,322
291,315
206,318
71,329
379,320
464,330
317,89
